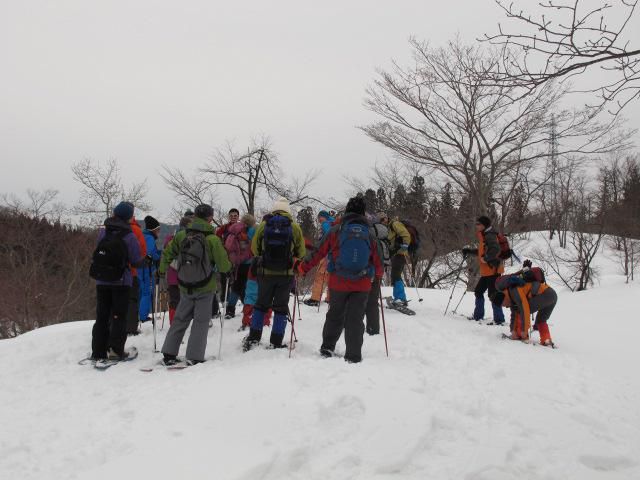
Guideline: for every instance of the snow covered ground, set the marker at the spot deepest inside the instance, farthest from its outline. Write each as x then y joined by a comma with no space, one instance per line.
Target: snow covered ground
453,401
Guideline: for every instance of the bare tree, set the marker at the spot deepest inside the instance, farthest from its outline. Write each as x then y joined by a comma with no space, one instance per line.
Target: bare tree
102,188
39,204
558,39
443,114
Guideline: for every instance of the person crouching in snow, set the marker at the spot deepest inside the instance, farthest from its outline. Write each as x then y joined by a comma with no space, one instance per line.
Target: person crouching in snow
353,264
525,293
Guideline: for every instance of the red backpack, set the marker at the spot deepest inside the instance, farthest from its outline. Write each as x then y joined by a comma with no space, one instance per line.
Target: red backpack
237,243
505,248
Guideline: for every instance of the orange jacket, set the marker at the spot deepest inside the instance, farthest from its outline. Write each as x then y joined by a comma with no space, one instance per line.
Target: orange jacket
137,231
519,297
487,270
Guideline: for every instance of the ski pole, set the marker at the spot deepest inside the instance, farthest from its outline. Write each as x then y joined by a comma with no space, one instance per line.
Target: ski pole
226,300
153,309
384,325
293,318
415,284
455,283
455,310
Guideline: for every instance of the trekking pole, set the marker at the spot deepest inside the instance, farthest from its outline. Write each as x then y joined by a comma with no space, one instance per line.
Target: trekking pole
293,319
321,291
226,299
384,325
415,284
455,283
455,310
153,309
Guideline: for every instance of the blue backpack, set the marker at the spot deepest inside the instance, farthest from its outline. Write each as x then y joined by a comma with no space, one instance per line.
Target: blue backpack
278,237
354,243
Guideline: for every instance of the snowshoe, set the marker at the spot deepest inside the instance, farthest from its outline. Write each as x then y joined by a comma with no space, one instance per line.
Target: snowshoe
399,305
311,302
113,358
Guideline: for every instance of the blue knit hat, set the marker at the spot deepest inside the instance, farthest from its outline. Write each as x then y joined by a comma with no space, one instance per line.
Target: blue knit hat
124,210
324,214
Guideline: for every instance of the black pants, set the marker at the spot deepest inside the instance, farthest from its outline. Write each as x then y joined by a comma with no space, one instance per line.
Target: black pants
134,299
373,309
397,266
110,329
240,281
273,292
174,296
346,312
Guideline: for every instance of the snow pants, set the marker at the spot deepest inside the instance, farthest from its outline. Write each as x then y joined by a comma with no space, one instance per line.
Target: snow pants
110,329
397,266
346,312
544,305
146,293
320,281
373,309
484,284
134,298
273,293
196,307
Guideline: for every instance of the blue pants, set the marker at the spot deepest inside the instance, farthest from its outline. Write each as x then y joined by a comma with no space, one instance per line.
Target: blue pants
484,284
144,308
397,266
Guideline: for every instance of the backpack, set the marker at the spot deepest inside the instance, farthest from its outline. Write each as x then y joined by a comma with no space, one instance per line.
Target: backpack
506,282
381,232
354,250
237,244
110,257
278,237
194,265
505,249
414,244
535,274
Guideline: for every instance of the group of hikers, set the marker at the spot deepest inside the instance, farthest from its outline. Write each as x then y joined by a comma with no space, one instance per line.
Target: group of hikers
259,264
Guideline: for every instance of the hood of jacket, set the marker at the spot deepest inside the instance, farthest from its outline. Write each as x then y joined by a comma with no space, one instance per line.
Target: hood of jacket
116,223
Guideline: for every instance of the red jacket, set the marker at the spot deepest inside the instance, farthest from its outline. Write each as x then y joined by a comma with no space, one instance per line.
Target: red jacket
330,246
137,231
222,230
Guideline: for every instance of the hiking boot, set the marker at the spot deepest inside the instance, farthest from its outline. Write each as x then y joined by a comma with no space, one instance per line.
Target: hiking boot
399,303
547,343
311,302
352,359
326,353
371,331
229,316
190,363
251,340
169,360
276,340
113,355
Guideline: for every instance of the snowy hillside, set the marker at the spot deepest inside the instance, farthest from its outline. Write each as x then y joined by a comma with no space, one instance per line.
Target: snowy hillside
453,401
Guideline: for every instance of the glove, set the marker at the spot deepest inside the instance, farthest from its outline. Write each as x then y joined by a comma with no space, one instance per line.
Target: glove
148,260
465,251
404,249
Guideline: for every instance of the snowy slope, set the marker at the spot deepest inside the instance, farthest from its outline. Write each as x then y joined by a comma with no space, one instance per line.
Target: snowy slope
453,401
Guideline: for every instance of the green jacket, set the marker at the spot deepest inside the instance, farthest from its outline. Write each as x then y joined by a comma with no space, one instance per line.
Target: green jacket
297,246
217,253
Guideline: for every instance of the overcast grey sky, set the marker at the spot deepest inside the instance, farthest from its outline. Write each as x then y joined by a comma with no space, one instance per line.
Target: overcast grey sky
157,82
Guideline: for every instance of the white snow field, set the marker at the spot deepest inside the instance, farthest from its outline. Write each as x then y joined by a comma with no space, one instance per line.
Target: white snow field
453,401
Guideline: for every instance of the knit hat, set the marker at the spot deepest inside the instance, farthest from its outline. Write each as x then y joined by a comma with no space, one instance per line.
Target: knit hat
124,211
151,223
189,213
281,205
356,205
324,214
204,211
248,219
484,220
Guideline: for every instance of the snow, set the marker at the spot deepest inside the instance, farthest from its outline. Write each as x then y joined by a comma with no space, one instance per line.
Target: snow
453,401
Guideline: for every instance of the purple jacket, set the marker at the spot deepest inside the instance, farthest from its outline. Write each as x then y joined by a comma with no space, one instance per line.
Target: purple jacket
133,249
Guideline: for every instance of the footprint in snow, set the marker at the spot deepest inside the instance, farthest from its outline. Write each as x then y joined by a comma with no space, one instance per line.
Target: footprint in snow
606,464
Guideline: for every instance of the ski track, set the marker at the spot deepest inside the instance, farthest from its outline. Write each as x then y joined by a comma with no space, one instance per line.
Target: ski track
454,401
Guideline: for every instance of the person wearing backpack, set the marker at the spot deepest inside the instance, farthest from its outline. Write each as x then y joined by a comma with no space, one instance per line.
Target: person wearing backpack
491,267
134,292
319,282
116,253
354,264
150,233
399,242
278,241
250,293
222,232
527,292
381,234
197,250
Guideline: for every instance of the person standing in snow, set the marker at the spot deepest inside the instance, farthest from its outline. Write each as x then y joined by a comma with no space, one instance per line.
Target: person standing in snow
527,292
109,332
491,267
324,221
197,250
351,248
399,241
147,275
134,292
278,241
225,286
